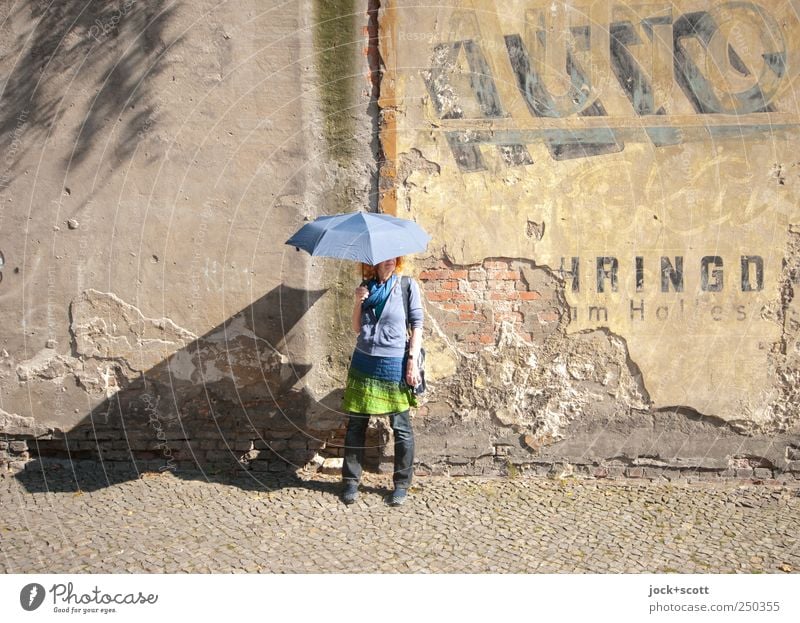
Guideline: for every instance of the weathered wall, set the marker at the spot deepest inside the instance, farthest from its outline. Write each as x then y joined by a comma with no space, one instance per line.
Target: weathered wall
612,190
154,157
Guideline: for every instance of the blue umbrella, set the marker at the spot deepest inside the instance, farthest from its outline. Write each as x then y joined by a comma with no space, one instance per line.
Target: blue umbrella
361,237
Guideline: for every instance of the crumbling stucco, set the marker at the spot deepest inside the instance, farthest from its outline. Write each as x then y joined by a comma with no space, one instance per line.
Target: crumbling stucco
785,353
106,327
532,384
13,424
655,262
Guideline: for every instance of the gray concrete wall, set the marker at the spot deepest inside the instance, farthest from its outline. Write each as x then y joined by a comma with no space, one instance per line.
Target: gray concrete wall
154,157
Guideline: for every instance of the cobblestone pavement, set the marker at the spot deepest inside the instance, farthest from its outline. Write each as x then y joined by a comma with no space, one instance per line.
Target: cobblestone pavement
166,523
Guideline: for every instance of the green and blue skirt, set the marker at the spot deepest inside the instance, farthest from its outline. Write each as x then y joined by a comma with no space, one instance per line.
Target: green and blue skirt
376,385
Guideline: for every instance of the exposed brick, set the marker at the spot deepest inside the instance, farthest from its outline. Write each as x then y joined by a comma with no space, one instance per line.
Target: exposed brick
458,274
428,275
496,264
502,306
529,296
478,285
271,434
18,446
439,264
466,306
496,284
504,296
440,296
451,307
461,327
477,275
208,433
486,338
509,275
449,285
634,472
512,317
298,455
653,472
115,455
220,455
275,445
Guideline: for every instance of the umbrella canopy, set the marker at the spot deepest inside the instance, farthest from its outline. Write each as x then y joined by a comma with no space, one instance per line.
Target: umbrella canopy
361,237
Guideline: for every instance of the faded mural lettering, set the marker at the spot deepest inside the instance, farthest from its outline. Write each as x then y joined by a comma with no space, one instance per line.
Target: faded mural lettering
710,274
728,62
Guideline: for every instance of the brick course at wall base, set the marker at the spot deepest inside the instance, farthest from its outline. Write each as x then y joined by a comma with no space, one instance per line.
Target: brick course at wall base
212,444
220,457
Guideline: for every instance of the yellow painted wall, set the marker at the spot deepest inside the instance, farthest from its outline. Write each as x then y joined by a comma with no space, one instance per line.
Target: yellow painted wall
674,136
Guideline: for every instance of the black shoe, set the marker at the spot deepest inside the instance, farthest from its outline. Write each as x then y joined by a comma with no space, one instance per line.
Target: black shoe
398,497
350,493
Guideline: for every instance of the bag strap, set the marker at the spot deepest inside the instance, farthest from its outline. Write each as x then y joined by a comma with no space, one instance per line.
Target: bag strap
405,284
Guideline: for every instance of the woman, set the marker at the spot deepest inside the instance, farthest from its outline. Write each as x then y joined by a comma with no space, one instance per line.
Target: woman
382,374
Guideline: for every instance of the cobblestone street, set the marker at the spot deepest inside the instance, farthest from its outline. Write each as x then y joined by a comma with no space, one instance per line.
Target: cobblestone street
171,523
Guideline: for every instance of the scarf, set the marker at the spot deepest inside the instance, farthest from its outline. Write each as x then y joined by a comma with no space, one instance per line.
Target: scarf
378,294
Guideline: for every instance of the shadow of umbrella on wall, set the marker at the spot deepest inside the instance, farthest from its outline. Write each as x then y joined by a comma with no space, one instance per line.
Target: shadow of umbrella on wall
217,398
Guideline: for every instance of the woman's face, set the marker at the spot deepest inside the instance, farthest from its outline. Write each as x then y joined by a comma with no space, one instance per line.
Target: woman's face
385,269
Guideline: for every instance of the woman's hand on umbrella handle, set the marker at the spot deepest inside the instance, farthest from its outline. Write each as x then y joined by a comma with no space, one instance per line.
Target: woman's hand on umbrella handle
361,295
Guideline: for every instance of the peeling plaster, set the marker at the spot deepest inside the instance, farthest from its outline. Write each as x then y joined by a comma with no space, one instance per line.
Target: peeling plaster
46,364
13,424
106,327
413,169
539,390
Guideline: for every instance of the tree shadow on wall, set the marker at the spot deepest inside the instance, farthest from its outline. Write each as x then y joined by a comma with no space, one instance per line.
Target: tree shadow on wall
226,407
121,42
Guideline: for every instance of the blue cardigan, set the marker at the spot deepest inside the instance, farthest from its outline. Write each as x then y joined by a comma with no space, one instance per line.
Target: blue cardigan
386,336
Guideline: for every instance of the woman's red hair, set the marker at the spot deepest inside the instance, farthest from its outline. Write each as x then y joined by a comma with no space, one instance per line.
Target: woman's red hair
368,272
